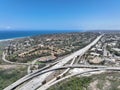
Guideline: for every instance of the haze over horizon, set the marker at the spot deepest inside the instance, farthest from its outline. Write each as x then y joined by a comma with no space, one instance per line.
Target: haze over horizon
60,15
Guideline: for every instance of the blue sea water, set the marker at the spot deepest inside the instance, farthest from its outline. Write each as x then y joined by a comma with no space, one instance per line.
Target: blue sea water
9,34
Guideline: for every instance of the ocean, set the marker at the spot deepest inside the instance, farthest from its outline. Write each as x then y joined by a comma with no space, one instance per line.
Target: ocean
10,34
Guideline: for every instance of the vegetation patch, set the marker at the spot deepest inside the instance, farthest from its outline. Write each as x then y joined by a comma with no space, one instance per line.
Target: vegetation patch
104,81
75,83
7,77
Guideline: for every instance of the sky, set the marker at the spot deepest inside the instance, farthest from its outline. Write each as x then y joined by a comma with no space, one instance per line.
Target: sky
60,14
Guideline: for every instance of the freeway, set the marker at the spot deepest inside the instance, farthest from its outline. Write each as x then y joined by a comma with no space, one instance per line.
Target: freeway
37,81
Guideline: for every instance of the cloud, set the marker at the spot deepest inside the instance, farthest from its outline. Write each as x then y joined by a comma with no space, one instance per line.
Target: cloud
8,27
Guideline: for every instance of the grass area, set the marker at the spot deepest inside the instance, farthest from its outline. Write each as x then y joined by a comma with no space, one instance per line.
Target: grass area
1,52
105,81
40,64
75,83
112,77
1,56
7,77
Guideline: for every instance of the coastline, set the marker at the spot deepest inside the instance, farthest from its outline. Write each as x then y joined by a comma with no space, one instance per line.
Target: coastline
10,39
2,40
25,34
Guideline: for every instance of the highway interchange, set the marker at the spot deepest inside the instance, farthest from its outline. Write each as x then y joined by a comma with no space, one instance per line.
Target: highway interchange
35,80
